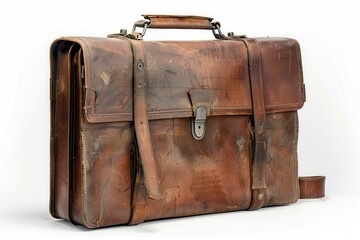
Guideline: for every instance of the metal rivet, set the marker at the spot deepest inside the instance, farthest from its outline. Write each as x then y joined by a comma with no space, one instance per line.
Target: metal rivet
140,65
123,32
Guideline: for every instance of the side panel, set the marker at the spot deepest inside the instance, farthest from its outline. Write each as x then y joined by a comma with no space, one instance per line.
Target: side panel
60,133
76,196
90,163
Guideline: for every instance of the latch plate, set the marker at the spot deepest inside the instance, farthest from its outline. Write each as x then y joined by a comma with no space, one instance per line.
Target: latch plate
201,102
198,124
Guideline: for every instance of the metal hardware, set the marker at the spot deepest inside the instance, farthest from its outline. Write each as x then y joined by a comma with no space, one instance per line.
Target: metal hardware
216,27
198,125
146,23
232,35
201,103
123,32
143,24
140,65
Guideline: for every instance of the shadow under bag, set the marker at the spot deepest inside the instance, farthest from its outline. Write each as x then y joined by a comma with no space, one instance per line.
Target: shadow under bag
144,130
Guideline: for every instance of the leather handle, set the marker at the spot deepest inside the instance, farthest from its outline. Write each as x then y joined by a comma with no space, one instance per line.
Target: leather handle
178,22
175,22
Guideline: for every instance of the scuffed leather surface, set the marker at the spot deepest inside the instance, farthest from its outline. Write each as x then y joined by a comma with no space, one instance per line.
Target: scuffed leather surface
197,177
106,173
281,74
281,162
175,68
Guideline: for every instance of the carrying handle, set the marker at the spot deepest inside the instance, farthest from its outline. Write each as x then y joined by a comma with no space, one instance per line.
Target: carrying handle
176,22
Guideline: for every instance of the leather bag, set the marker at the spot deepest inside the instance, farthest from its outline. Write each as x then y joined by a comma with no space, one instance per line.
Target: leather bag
144,130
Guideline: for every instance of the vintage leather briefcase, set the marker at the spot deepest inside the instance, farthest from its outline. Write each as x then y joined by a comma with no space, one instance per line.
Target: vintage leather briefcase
145,130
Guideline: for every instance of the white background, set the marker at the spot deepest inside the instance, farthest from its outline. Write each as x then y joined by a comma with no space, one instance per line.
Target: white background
328,33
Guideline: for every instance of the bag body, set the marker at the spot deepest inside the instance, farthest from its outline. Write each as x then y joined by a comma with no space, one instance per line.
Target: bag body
144,130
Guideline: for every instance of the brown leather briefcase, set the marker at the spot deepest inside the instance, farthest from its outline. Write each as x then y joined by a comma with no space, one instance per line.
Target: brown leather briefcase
145,130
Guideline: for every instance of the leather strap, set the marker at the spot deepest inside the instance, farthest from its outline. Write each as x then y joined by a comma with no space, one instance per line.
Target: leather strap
258,108
140,199
147,184
141,122
312,187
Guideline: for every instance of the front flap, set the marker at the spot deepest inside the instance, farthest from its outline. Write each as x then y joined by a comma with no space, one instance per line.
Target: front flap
173,69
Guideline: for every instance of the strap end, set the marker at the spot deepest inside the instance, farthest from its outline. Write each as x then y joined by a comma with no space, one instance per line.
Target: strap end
312,187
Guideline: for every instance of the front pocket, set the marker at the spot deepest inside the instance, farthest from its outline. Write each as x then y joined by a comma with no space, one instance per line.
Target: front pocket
201,176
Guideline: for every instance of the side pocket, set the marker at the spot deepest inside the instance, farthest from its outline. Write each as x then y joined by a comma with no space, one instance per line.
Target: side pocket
106,173
281,163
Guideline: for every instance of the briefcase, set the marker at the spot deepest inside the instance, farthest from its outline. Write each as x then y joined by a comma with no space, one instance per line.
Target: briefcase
144,130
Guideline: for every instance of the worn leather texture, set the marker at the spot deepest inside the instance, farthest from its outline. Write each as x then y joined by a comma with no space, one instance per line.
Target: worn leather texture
97,176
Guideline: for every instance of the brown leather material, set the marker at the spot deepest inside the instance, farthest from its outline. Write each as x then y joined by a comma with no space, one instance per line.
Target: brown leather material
179,22
61,151
140,195
199,177
106,174
123,149
141,122
282,184
312,187
75,186
108,80
258,183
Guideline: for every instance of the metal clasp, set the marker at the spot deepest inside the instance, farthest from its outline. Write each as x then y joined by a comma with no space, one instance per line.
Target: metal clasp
198,124
201,102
